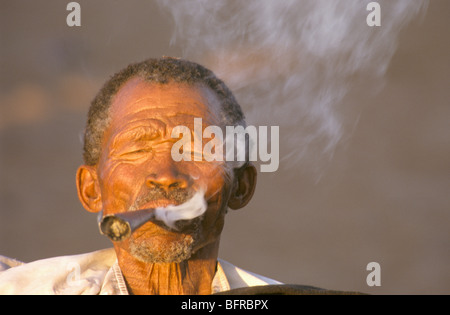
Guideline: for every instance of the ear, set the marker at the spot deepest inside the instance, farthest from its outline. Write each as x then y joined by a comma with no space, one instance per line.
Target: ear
88,188
244,185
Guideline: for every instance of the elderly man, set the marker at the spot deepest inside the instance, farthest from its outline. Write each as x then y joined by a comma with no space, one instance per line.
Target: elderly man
129,166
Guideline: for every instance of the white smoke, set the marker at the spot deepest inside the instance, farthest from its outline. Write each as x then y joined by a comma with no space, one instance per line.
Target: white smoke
290,63
191,209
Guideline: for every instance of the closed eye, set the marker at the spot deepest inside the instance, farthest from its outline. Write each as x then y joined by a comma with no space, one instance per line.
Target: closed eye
137,152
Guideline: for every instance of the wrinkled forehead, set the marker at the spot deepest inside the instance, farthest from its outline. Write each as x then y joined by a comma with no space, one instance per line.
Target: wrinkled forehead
175,103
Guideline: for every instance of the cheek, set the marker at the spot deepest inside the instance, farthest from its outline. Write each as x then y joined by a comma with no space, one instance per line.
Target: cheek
119,183
217,196
214,219
211,177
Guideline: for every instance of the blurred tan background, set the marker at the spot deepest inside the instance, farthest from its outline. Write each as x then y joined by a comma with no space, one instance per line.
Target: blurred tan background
383,197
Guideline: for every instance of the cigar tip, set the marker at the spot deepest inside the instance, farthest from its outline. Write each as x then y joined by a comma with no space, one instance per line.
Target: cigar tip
115,228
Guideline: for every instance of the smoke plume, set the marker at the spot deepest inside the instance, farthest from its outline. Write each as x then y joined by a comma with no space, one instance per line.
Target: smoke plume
189,210
291,63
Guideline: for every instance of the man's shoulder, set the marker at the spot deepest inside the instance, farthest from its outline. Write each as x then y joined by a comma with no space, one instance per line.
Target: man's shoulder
7,263
63,274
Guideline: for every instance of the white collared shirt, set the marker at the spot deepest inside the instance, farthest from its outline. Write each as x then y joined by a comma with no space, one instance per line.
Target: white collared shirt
97,273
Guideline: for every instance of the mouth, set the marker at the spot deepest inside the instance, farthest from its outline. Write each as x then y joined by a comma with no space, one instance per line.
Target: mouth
159,198
160,203
181,226
157,227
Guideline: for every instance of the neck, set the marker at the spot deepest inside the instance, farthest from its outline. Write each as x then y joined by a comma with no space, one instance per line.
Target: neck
192,276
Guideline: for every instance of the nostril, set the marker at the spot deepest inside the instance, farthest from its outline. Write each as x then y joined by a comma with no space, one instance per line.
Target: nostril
153,184
179,184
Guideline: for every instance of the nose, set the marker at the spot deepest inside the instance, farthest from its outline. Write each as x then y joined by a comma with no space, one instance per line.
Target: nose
168,179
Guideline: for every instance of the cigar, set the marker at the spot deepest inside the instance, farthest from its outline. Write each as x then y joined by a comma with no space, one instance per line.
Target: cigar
119,226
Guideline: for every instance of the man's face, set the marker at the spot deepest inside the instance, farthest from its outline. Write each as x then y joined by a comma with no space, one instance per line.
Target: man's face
136,169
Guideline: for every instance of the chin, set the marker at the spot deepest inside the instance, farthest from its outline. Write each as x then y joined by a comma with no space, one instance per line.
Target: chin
155,250
164,247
